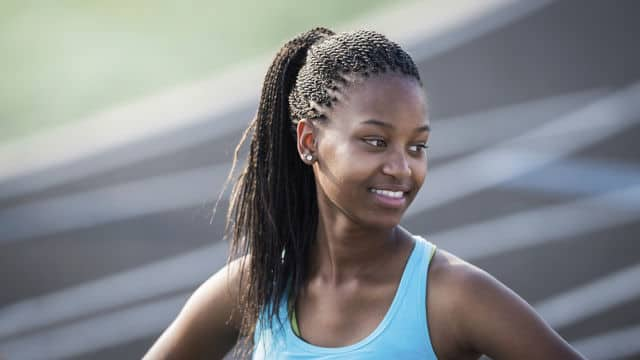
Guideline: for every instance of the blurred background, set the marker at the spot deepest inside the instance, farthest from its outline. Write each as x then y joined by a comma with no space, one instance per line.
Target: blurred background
118,120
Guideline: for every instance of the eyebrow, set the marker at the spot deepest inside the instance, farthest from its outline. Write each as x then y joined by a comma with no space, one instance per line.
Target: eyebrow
390,126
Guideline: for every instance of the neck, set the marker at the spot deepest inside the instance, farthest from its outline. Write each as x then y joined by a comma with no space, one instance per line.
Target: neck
343,251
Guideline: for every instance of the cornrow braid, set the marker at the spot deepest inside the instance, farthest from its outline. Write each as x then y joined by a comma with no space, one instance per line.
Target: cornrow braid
361,53
273,211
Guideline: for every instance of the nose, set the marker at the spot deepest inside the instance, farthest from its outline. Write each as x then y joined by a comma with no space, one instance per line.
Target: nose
397,165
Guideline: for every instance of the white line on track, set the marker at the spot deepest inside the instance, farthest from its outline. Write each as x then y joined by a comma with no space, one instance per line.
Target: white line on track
124,201
592,298
481,130
169,275
549,223
616,344
576,176
96,333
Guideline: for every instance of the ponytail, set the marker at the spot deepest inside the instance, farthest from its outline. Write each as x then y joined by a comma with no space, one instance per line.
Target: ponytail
273,211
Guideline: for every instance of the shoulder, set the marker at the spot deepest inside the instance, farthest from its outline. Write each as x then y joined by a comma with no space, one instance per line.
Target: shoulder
481,315
461,282
221,291
209,322
461,289
451,281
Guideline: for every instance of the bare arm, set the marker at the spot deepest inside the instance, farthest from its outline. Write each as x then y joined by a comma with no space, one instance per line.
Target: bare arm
202,329
497,322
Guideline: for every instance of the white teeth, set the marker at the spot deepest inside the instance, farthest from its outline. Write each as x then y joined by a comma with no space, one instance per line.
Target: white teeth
392,194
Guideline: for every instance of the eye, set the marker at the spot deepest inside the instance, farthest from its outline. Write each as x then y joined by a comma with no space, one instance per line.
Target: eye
375,142
418,148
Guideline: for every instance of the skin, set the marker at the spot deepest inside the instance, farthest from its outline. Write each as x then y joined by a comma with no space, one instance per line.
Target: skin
373,137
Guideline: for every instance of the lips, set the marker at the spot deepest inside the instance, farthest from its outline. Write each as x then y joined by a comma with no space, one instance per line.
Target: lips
388,193
391,188
390,196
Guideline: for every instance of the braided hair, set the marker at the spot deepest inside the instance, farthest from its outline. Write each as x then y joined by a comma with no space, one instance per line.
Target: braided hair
273,211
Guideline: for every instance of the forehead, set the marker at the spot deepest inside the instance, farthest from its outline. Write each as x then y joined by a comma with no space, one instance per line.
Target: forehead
392,98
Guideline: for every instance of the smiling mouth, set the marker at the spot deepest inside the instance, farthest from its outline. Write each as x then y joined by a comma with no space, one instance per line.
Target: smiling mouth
390,199
388,193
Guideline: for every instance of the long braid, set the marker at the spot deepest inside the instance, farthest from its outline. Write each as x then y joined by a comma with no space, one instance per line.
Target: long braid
273,211
259,217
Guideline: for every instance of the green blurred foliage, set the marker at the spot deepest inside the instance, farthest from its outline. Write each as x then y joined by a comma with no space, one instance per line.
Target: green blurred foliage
64,60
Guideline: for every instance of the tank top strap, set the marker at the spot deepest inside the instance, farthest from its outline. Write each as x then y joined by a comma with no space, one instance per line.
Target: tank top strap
409,326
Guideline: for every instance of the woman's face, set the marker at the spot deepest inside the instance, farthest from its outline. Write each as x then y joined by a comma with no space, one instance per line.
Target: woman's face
371,157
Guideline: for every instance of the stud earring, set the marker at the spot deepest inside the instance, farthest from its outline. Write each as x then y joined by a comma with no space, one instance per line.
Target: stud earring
308,157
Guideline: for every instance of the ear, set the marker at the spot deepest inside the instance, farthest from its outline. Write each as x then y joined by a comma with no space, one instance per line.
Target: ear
306,140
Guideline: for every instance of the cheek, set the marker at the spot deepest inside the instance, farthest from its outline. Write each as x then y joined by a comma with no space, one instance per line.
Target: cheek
420,170
341,166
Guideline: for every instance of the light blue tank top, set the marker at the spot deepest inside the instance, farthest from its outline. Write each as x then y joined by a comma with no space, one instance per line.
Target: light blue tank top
402,334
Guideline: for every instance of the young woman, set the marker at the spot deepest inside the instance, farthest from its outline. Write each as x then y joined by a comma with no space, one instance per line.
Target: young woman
321,267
